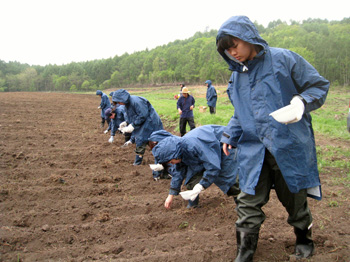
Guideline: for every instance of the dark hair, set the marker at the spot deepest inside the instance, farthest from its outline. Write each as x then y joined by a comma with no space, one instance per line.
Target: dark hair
224,43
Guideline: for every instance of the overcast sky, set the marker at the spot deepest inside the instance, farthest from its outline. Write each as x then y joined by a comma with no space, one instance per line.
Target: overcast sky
41,32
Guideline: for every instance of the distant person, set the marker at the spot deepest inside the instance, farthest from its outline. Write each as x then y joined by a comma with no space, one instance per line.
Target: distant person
142,120
182,86
185,106
105,103
211,97
198,162
273,91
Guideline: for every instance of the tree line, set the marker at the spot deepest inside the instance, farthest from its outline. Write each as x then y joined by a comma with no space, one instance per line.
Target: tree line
325,44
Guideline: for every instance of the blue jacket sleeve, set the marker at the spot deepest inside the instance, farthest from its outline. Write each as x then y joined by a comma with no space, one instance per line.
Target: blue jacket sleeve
178,176
309,83
179,103
232,132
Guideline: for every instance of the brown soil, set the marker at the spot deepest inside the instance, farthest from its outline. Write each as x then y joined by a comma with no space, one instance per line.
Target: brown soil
66,194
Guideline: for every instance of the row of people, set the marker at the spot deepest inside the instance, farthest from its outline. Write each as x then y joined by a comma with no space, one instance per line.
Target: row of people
268,143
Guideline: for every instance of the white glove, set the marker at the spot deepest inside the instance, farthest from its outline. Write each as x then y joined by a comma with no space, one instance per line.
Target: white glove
111,139
291,113
127,143
99,107
192,194
156,167
127,129
122,125
106,131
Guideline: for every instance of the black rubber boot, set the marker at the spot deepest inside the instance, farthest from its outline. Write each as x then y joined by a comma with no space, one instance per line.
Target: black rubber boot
138,160
304,246
247,241
194,203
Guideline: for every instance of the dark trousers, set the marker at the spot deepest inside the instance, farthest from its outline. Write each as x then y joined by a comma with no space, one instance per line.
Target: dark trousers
140,150
183,122
127,136
249,209
212,109
194,180
103,120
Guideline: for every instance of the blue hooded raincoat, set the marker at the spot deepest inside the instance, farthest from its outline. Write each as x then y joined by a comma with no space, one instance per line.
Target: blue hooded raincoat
259,87
159,135
211,94
199,150
105,103
141,115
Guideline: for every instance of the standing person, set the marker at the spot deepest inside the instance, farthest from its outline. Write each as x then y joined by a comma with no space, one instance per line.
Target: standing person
271,153
211,97
198,161
142,120
105,103
185,106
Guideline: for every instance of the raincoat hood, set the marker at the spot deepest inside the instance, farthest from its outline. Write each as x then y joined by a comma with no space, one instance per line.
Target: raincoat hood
208,82
121,95
159,135
167,149
242,28
111,93
98,92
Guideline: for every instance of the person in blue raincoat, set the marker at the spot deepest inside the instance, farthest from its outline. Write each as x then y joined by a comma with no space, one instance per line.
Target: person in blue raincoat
273,91
198,162
160,171
117,115
185,106
105,103
142,120
211,97
110,120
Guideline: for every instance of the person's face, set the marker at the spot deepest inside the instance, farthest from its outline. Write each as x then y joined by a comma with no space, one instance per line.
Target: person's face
152,144
174,161
242,50
120,103
185,94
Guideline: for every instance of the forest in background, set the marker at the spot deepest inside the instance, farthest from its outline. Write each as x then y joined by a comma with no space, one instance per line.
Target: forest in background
325,44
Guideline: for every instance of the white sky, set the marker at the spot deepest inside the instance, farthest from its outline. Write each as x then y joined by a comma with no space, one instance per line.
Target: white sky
41,32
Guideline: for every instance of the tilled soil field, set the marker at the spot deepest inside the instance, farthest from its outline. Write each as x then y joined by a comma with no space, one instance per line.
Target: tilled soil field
66,194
